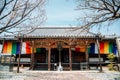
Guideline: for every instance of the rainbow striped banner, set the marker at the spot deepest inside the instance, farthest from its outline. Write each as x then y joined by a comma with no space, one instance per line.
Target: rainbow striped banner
1,48
27,49
105,48
79,49
14,48
11,48
93,49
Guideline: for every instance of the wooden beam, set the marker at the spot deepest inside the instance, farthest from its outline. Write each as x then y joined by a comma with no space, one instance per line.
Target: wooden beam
49,58
45,43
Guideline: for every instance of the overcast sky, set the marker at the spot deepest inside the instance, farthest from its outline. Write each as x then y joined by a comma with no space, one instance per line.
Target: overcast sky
63,13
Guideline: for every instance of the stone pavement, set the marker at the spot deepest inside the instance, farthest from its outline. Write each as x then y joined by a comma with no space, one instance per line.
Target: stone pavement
43,75
57,75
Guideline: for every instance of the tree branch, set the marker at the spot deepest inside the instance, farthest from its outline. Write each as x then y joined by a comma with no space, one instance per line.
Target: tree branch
17,13
104,11
1,10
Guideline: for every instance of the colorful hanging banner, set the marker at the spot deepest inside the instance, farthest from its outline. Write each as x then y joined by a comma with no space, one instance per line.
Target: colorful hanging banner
38,50
102,47
93,49
14,48
27,48
108,47
79,49
11,48
105,48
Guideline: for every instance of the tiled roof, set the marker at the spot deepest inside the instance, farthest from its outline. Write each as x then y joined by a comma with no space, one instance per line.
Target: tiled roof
54,32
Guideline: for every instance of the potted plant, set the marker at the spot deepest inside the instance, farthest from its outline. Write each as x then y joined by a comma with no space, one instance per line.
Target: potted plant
111,58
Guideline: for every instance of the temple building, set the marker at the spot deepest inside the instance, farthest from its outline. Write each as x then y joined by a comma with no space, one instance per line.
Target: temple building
46,48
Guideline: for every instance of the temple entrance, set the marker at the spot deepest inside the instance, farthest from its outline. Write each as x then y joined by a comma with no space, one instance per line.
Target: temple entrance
55,57
77,58
41,60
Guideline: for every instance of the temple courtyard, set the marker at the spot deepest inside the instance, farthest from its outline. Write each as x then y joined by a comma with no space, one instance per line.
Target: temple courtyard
26,74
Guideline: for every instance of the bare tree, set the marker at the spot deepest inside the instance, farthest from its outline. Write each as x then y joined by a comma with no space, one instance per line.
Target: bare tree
97,12
21,14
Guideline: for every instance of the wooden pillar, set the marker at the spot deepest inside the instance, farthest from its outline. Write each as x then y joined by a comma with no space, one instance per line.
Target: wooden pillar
87,56
19,56
70,58
32,57
97,41
49,59
3,45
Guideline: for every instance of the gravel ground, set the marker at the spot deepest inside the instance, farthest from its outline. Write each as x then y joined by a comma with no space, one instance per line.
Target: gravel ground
57,75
